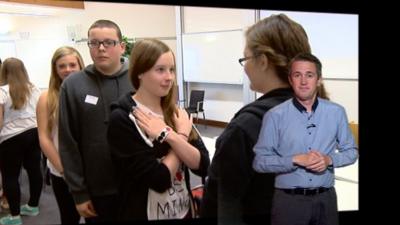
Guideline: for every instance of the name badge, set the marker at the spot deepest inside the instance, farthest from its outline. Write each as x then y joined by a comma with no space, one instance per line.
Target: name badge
91,99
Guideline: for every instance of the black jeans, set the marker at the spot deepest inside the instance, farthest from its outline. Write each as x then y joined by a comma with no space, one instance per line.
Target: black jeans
65,202
21,150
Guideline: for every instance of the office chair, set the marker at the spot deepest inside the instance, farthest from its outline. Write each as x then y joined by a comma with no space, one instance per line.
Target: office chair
196,103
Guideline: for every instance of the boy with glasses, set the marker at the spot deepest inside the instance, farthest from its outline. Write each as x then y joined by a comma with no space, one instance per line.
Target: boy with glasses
85,98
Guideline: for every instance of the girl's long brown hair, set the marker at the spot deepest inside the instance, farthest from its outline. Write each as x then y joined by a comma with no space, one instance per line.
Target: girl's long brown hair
144,55
55,82
13,73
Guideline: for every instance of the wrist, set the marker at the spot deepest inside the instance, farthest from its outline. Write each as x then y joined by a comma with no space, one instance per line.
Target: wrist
183,135
330,161
163,134
294,160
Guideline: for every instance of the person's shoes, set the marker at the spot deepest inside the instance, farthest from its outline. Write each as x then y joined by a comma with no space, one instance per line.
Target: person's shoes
11,220
27,210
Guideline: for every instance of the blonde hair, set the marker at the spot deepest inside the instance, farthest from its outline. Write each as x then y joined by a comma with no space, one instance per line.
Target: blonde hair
144,55
280,39
55,81
13,73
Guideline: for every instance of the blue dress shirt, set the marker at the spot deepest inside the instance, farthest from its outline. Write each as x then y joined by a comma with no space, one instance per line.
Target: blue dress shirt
288,130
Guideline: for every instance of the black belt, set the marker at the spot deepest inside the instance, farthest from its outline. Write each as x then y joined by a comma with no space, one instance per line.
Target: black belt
305,191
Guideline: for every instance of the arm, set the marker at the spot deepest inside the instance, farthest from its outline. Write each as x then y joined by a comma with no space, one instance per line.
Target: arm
1,115
194,153
3,99
319,162
313,160
45,139
153,126
178,140
267,157
346,145
232,164
69,147
186,152
134,159
202,171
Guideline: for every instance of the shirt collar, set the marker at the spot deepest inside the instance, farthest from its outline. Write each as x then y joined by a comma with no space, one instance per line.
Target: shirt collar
301,108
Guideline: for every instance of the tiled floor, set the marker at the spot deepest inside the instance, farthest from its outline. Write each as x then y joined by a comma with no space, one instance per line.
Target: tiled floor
48,206
209,131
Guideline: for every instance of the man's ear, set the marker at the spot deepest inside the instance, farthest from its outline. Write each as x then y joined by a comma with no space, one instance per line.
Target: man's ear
123,46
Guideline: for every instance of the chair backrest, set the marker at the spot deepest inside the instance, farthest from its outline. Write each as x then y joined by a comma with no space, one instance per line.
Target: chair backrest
195,97
354,130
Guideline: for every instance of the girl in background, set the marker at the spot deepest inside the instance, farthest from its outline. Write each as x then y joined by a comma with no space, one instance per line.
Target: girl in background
19,143
65,61
3,199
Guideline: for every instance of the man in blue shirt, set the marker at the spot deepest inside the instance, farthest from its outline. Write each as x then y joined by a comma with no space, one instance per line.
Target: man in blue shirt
301,141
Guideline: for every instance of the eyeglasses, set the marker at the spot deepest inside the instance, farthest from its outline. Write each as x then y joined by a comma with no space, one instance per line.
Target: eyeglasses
242,60
106,43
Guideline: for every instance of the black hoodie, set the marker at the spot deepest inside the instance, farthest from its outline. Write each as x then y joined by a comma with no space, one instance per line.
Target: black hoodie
137,163
234,192
85,99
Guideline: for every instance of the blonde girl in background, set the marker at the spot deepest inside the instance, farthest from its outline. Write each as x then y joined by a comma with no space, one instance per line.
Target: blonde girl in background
66,60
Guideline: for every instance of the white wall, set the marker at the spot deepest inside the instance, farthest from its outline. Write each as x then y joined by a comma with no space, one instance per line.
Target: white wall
37,37
34,44
206,19
344,92
133,20
339,55
222,100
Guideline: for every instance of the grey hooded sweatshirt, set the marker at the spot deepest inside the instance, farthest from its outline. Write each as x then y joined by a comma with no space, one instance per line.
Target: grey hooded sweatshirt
85,99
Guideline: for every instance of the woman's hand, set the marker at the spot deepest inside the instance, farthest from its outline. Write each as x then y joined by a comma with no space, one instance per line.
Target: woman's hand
183,122
149,123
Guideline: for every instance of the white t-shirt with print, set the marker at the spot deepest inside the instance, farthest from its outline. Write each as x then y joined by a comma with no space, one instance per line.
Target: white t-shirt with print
174,203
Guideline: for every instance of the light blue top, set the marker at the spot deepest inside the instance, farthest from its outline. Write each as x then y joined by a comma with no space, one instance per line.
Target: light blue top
288,129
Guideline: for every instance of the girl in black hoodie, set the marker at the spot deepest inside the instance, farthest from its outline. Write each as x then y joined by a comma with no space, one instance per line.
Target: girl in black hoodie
152,141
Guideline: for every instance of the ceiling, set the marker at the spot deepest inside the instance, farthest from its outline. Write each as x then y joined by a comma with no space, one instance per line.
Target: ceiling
21,9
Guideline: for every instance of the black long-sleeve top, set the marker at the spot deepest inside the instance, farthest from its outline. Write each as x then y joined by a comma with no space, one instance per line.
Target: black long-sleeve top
137,164
235,193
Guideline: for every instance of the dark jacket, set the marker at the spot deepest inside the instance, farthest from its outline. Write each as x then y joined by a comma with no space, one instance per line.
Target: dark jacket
85,99
234,191
138,165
